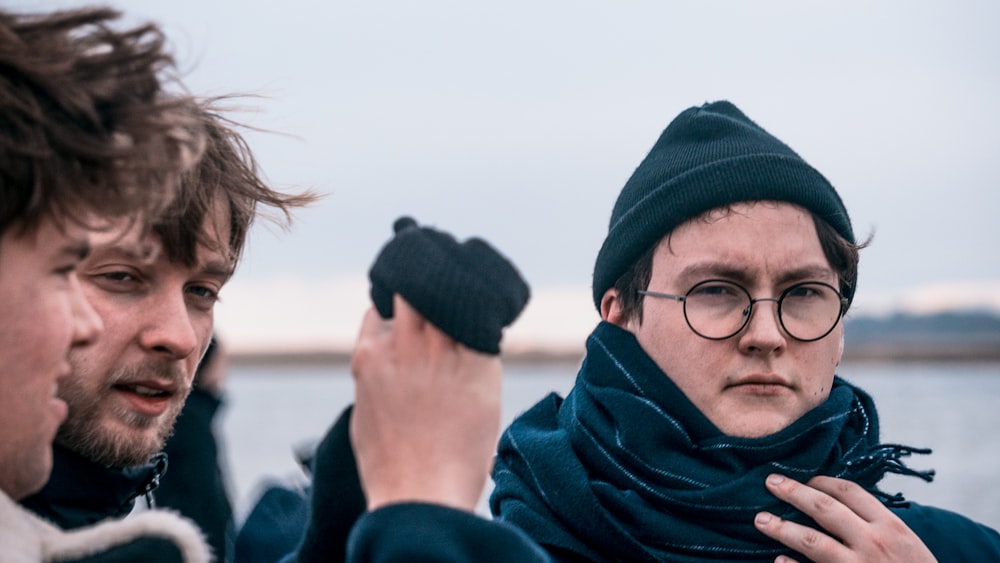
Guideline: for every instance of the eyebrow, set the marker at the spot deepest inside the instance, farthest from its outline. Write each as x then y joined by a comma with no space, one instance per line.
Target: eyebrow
217,268
77,249
808,273
142,253
131,251
730,271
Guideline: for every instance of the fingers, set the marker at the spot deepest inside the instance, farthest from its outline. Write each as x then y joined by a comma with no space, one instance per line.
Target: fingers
405,316
366,346
855,525
417,336
852,495
371,324
841,507
405,319
834,516
814,544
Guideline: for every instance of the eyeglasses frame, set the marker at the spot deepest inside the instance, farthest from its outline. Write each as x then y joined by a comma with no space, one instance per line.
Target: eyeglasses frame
748,312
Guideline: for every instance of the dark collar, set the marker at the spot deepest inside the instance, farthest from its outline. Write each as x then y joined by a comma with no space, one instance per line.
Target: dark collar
80,492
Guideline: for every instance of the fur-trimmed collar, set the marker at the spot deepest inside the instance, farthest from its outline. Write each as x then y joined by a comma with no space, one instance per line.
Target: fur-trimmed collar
26,538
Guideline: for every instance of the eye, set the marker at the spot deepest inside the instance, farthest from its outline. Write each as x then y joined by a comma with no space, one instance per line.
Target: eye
118,276
115,280
715,290
805,291
207,295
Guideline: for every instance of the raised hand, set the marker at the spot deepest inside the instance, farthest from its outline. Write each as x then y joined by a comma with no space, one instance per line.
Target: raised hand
427,412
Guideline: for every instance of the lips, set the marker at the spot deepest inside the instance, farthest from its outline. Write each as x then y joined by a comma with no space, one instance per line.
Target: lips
761,385
58,406
59,409
149,398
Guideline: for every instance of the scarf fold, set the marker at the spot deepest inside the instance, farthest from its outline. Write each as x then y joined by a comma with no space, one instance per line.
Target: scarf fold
626,468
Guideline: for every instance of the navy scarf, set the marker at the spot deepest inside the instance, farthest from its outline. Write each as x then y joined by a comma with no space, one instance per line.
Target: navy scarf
627,469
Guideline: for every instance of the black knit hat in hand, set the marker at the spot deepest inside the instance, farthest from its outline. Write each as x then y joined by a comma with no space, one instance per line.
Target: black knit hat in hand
468,290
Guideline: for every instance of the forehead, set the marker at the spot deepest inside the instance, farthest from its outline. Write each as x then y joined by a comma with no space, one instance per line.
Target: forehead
195,223
749,237
743,217
49,239
138,243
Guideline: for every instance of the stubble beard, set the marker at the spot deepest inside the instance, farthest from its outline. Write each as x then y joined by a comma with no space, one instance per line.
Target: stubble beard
84,431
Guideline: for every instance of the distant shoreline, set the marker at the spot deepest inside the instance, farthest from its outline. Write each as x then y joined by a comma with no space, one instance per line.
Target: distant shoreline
343,357
859,354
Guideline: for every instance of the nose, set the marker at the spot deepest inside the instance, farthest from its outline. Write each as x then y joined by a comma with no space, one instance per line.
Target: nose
87,324
169,329
763,333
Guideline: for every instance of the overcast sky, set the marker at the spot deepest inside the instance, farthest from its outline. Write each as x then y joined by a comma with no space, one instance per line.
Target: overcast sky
519,121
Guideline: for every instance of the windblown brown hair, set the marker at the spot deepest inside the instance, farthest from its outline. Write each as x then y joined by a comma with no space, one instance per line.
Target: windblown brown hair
227,172
85,121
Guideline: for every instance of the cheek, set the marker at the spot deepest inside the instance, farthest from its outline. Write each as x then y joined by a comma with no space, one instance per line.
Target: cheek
49,336
190,370
205,330
667,339
833,348
821,367
191,363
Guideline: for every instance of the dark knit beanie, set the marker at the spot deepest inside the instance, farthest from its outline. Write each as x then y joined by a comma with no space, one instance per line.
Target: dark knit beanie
709,156
468,290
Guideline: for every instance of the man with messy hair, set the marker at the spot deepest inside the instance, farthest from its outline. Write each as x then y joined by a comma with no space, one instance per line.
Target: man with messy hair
88,136
155,292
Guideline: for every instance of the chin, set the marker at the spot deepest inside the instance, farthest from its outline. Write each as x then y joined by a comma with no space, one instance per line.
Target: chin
117,444
761,427
143,446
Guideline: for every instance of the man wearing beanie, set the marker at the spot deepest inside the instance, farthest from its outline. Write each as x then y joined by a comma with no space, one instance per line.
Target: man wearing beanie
709,392
707,422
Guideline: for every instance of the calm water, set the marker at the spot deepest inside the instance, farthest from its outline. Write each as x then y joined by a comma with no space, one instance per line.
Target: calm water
954,409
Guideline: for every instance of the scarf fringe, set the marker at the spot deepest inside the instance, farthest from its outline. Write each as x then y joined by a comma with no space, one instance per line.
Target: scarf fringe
885,458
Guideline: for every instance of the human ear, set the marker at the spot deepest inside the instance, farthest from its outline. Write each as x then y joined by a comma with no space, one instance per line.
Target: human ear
611,309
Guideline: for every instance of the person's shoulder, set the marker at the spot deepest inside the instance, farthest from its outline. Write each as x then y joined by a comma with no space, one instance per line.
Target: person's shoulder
949,535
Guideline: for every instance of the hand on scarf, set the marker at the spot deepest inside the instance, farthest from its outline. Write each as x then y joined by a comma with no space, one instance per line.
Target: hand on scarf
856,525
427,412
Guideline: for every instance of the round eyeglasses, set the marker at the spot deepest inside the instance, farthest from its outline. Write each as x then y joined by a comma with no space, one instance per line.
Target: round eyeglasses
720,309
